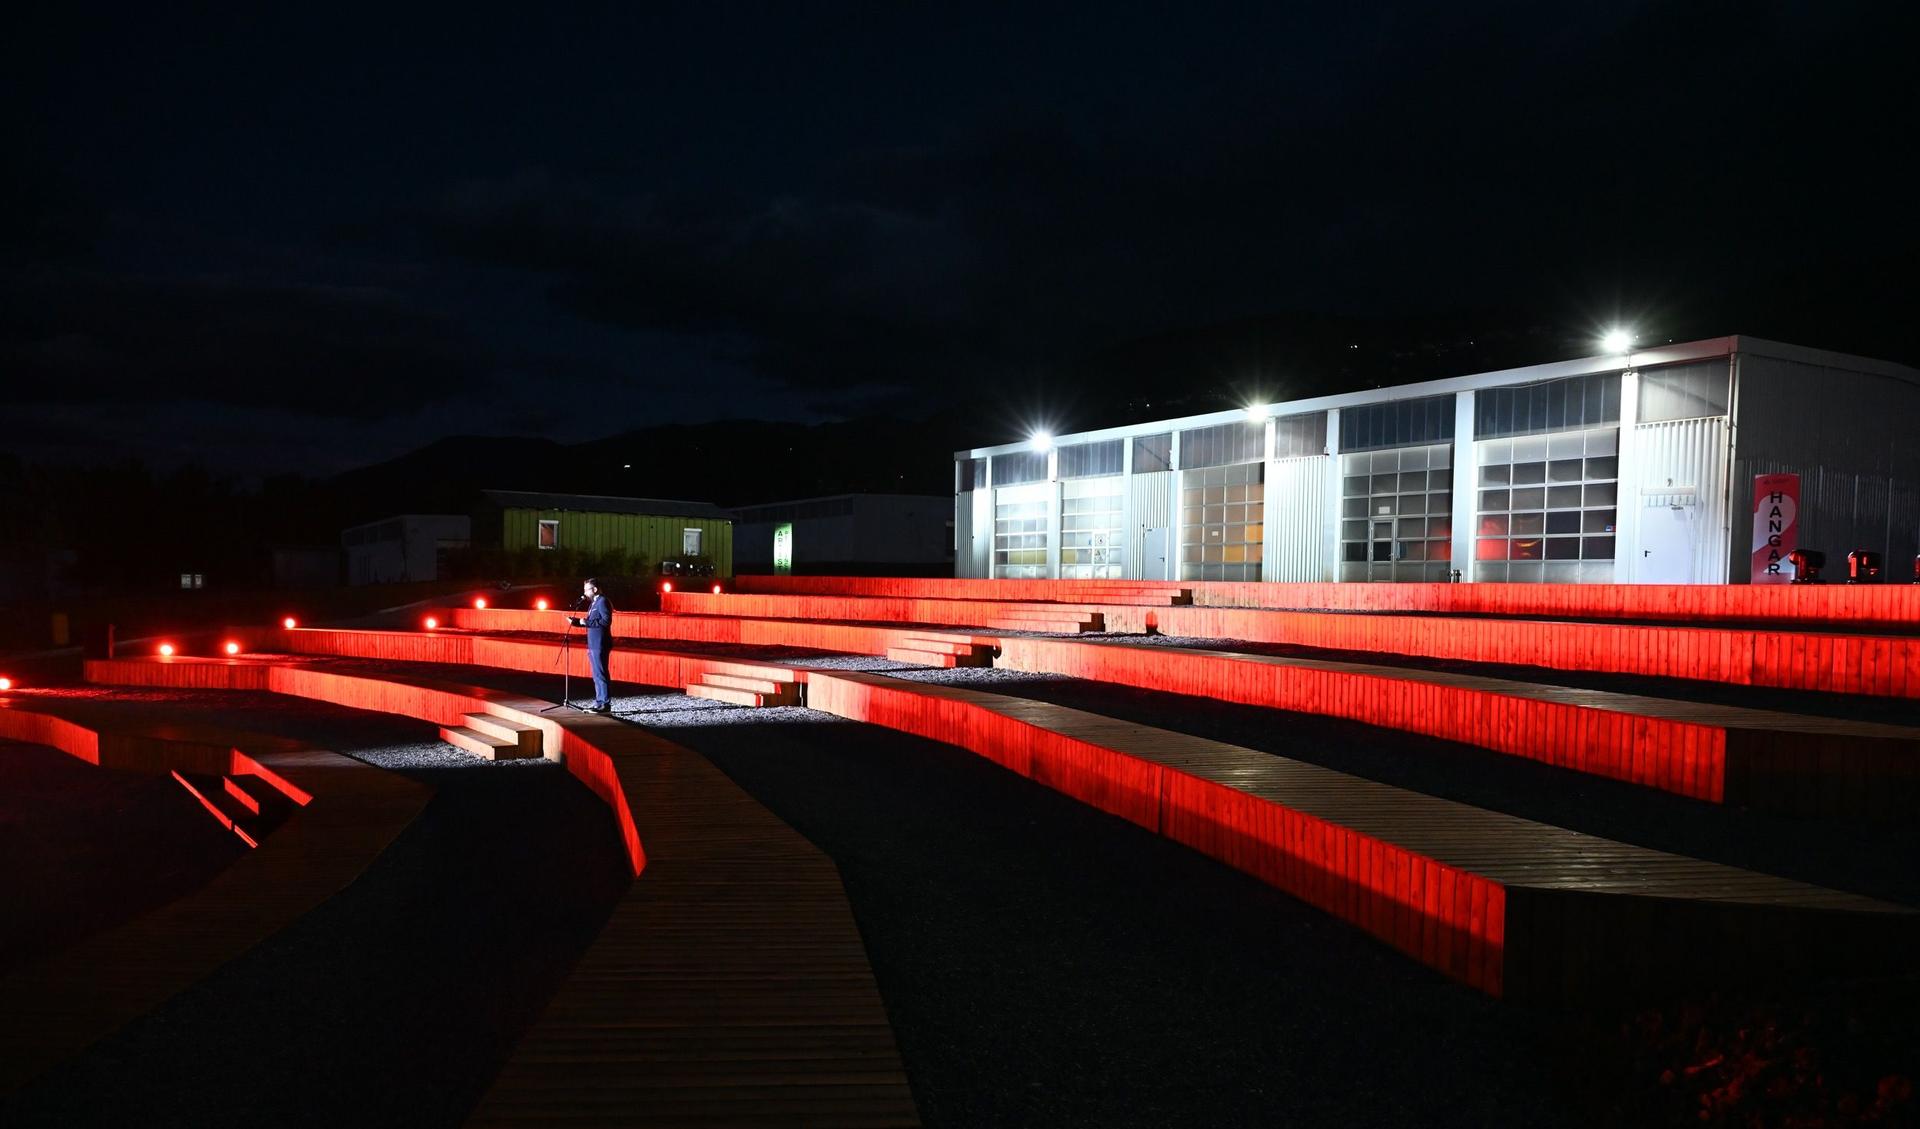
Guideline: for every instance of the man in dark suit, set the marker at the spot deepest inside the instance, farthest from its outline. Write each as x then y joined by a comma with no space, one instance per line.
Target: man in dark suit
599,624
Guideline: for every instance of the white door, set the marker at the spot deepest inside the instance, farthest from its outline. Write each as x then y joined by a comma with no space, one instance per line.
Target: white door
1667,541
1153,565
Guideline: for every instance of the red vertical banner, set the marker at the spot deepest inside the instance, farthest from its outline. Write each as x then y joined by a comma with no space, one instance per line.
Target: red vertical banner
1776,526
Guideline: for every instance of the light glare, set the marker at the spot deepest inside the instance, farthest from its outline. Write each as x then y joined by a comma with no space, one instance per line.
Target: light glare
289,623
716,589
480,602
1616,341
166,649
432,623
1043,441
1256,413
6,683
233,648
666,586
540,605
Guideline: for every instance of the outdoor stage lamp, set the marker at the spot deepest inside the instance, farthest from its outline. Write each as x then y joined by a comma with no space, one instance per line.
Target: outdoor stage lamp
6,683
666,586
1616,341
540,605
289,623
716,589
1863,567
480,602
1807,564
166,650
232,648
1256,413
432,623
1043,441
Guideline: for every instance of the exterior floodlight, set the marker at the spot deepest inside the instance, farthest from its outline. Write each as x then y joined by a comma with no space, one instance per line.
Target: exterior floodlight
432,623
480,602
666,586
716,589
1043,441
6,683
233,648
1616,341
289,623
540,605
1256,413
166,649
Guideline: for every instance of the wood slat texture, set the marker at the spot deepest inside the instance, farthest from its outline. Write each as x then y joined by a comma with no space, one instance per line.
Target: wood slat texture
729,987
55,1008
1864,604
1438,880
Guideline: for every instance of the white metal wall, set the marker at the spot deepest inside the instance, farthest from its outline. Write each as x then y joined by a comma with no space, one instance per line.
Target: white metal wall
1682,463
1152,502
1296,498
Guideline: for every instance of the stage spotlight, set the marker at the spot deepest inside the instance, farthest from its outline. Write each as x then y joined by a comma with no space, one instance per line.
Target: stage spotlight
666,586
540,605
432,623
233,648
1043,441
6,683
166,650
480,602
289,623
1616,341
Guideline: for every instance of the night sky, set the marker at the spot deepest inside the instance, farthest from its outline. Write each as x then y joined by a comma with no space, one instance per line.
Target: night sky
306,239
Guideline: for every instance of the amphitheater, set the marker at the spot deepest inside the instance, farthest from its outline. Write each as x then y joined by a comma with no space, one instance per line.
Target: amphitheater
891,852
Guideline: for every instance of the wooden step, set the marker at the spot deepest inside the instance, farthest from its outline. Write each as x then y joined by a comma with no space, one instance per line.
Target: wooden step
1061,626
968,653
223,807
252,793
764,686
529,743
479,744
731,696
945,659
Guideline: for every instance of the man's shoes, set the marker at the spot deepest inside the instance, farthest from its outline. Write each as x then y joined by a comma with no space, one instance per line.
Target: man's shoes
600,707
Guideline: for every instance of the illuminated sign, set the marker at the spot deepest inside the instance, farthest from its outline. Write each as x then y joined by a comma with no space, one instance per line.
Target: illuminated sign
1776,526
783,548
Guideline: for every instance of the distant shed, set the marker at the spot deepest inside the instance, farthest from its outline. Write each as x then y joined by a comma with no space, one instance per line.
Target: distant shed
655,528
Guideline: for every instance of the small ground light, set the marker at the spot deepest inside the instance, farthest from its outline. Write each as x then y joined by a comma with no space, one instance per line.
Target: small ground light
540,605
432,623
6,683
233,648
289,623
716,589
666,585
166,649
480,602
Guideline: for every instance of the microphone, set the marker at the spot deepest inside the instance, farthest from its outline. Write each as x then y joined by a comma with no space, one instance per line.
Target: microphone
579,602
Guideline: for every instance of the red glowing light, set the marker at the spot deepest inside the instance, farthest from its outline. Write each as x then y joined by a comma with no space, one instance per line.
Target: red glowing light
6,683
233,648
289,623
540,604
716,589
432,623
666,585
166,649
480,602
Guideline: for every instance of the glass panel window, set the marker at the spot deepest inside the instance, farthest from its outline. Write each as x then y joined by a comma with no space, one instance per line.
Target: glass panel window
1221,539
1573,478
1398,488
1020,539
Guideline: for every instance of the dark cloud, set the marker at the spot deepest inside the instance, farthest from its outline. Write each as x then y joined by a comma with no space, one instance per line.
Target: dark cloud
326,351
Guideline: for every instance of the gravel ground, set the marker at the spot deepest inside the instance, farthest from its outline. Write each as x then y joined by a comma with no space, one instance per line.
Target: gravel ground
396,1001
86,848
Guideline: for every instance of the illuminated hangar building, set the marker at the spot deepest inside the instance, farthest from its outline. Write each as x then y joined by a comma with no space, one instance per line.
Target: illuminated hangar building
1634,466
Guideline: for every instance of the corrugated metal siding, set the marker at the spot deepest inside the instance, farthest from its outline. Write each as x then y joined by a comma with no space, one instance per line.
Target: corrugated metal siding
1683,462
1849,436
1295,514
1152,509
963,533
655,538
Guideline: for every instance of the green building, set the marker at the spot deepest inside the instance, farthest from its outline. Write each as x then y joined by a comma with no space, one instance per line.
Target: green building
657,529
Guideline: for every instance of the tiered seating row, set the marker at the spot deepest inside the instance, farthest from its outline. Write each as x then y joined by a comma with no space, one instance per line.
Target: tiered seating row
1509,906
1790,603
350,812
1879,665
1760,758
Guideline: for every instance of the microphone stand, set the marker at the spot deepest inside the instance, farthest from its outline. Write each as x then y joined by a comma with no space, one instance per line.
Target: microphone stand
566,665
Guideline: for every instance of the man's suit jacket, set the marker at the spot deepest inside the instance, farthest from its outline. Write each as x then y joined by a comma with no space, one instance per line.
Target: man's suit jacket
599,623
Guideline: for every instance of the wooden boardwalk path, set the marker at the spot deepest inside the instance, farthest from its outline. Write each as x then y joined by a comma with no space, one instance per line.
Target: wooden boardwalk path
1513,907
730,985
55,1008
